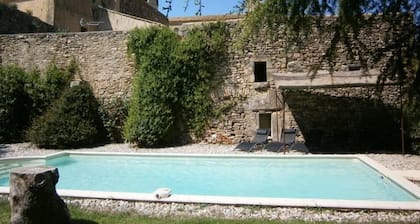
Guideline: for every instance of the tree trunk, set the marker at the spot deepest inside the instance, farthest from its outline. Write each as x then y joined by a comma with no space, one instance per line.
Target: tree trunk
33,198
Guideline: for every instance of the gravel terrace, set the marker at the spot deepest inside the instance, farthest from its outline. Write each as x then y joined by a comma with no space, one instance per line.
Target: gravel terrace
391,161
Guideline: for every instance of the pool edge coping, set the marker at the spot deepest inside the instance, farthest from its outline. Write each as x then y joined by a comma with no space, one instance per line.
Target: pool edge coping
278,202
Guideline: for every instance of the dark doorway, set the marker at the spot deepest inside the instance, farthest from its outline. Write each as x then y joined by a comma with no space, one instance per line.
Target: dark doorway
265,120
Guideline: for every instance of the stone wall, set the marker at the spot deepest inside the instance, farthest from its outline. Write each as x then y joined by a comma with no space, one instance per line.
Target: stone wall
116,21
102,57
44,10
143,10
15,21
288,67
241,102
351,119
66,15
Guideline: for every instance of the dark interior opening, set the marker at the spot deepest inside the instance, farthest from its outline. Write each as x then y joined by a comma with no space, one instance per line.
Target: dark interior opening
265,120
354,67
260,71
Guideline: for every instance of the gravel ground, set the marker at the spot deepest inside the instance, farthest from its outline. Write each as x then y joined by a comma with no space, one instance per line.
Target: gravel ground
391,161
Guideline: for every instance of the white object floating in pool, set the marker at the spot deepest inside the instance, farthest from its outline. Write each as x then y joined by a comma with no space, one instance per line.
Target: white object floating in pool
162,193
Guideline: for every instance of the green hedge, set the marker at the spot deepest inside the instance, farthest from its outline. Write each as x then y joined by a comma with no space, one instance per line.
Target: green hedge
412,112
15,104
153,103
26,95
171,93
73,121
114,115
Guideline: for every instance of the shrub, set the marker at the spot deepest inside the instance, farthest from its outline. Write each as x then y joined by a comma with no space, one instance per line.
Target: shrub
44,89
173,82
15,104
412,112
113,115
72,121
24,96
151,113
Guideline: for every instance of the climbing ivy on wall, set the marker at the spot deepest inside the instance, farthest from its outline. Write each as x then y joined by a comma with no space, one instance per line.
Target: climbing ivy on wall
174,78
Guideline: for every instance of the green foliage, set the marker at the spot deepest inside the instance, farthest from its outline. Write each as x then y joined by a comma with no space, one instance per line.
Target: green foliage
25,96
199,55
173,82
412,112
15,104
47,88
153,103
113,115
72,121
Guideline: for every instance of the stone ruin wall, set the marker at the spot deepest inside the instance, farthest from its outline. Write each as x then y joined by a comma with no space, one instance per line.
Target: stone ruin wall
101,56
249,98
143,10
103,61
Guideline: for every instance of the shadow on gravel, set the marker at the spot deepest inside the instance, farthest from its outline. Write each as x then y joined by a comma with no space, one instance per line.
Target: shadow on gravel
3,149
82,221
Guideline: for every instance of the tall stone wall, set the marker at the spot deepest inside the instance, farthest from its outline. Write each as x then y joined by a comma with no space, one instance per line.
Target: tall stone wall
241,101
102,57
288,67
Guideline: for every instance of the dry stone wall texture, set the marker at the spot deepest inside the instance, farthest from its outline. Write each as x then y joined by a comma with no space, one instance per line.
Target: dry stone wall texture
105,64
101,56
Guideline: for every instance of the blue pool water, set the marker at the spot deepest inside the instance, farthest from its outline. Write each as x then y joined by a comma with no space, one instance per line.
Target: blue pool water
322,178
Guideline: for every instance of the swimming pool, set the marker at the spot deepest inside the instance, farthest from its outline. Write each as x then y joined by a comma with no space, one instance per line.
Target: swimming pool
320,181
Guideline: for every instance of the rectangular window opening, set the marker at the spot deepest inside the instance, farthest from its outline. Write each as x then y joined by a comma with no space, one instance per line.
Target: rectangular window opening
260,71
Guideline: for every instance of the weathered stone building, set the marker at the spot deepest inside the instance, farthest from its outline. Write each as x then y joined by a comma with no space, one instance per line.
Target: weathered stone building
270,85
14,21
82,15
267,85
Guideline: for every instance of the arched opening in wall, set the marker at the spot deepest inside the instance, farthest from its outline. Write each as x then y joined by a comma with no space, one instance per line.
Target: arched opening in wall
260,71
83,29
264,120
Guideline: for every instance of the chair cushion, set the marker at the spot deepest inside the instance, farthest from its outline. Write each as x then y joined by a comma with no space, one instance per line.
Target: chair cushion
262,131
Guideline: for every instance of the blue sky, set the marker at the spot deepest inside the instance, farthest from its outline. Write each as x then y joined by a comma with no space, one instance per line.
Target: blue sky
211,7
